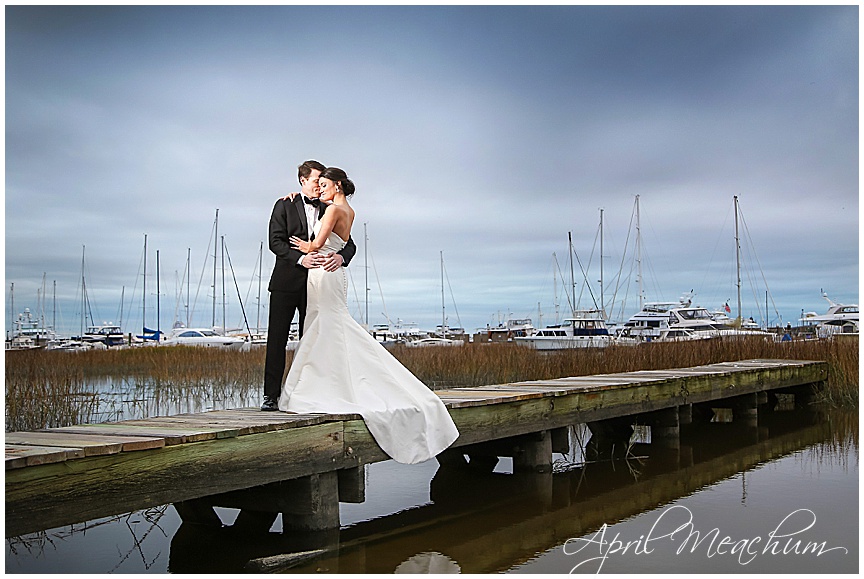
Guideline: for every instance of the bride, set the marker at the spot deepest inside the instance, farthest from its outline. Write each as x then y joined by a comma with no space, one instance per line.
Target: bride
340,368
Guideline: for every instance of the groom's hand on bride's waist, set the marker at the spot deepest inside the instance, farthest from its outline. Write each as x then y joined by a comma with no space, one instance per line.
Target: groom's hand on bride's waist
312,260
332,262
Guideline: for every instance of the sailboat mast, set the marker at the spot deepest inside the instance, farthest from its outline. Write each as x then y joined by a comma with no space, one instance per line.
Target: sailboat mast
158,301
572,278
260,260
223,285
639,254
215,237
144,293
443,316
602,301
54,312
366,269
737,260
188,276
83,290
42,303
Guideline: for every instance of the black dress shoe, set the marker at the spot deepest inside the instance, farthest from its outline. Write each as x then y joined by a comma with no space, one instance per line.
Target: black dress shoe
270,404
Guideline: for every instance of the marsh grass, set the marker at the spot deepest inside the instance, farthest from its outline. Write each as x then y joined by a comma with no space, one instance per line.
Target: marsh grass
479,365
49,389
46,389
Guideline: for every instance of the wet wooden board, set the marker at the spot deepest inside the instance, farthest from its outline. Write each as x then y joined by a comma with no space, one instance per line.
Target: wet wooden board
92,445
19,456
171,436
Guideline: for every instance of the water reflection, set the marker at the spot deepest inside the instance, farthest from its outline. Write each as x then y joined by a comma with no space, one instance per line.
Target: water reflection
127,398
446,519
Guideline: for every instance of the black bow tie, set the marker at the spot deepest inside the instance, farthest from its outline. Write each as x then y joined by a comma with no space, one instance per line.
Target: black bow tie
313,202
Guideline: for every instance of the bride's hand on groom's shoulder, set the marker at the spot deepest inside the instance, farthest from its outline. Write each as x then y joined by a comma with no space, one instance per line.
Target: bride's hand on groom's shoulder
290,196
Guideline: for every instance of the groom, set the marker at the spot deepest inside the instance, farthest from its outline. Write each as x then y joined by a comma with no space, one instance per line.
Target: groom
287,287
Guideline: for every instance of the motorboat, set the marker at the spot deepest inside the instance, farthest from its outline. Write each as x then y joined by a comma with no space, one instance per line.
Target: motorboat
253,336
839,319
512,328
649,323
28,333
203,337
107,334
449,333
23,343
586,329
72,345
432,341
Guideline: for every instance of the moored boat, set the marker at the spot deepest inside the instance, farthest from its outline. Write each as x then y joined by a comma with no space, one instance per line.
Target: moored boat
202,337
432,341
586,329
107,334
839,319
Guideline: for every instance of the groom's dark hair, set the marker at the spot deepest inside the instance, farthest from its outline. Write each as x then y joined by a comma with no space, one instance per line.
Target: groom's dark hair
304,170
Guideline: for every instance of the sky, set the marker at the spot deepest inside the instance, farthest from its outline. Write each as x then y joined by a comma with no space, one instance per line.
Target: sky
482,138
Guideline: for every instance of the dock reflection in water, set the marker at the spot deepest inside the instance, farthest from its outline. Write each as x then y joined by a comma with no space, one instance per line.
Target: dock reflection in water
742,480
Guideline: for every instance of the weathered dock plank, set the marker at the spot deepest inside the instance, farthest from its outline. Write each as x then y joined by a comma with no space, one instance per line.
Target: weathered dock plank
172,436
19,456
91,444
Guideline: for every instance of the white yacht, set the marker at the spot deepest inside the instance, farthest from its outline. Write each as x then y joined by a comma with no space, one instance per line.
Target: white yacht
204,337
652,321
839,319
586,329
28,333
431,341
107,334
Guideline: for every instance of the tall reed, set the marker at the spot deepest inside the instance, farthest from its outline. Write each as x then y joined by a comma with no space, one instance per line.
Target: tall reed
45,388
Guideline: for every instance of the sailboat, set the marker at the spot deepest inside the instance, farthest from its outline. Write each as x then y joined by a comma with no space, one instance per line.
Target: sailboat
583,329
443,335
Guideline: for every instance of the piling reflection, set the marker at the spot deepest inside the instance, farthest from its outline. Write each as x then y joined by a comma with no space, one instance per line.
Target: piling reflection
482,521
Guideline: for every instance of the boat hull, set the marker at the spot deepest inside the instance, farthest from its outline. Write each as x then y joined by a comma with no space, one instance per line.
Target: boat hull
563,342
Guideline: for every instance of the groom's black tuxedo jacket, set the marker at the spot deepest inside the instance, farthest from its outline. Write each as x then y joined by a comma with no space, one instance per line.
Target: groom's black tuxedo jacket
288,220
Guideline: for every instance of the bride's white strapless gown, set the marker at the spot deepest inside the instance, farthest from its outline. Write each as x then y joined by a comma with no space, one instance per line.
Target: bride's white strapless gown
339,367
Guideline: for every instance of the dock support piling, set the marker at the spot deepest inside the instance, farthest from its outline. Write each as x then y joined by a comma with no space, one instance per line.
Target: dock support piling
745,410
533,453
665,429
312,503
352,484
685,414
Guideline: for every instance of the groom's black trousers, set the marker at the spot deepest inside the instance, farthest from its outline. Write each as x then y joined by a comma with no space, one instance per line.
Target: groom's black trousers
282,308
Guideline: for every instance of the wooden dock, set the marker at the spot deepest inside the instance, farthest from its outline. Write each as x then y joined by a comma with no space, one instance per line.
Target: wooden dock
60,476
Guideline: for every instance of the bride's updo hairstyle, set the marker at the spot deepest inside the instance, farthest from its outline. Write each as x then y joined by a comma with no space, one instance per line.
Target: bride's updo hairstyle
339,176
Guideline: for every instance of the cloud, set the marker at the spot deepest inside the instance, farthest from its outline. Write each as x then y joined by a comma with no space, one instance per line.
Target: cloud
485,133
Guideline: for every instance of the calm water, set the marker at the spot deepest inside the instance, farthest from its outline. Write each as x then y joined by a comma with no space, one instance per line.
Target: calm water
780,499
